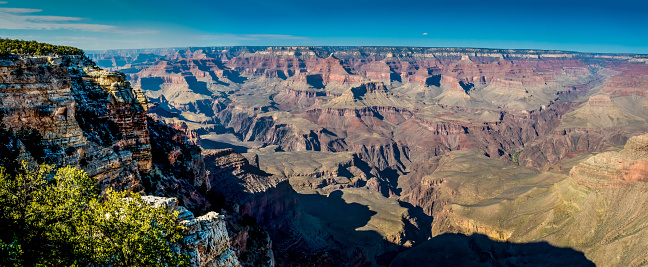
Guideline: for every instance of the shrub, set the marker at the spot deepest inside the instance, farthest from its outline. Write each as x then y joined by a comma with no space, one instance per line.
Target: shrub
57,217
32,47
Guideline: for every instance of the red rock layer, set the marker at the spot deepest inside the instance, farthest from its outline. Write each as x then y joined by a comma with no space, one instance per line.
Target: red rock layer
42,96
627,168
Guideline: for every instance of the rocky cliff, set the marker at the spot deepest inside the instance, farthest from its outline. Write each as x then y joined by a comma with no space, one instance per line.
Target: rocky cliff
597,209
66,111
626,168
205,237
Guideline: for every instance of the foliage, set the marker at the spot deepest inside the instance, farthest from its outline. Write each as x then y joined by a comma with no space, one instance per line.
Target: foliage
32,47
58,218
515,156
133,233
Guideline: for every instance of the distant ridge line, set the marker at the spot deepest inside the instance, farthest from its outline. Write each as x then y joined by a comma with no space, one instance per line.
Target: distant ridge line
374,49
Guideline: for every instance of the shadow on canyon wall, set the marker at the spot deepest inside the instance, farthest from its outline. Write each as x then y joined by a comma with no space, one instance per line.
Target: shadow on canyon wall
211,144
151,83
327,230
337,212
478,250
356,246
343,233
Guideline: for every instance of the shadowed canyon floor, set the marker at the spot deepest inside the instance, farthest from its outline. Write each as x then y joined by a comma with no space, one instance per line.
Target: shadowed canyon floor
361,156
479,250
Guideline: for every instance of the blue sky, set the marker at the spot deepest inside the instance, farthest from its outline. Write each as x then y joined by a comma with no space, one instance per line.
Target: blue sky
589,26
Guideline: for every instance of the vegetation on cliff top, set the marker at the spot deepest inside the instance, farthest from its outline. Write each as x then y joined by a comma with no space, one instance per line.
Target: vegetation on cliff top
9,46
57,217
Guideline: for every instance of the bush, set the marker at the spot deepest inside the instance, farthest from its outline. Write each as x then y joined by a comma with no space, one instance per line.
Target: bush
57,217
515,157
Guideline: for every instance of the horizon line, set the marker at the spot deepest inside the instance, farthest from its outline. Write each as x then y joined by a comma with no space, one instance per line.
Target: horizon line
87,51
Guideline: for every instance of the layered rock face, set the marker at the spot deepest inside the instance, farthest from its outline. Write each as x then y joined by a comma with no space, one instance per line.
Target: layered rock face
247,192
27,87
597,209
66,111
205,237
69,113
616,169
458,135
247,92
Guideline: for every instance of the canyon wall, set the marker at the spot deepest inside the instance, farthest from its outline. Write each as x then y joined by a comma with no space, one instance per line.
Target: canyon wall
70,113
206,240
443,130
391,106
66,111
596,209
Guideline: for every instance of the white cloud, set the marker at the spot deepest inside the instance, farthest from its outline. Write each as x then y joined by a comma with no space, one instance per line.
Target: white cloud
50,18
19,10
425,33
3,2
24,19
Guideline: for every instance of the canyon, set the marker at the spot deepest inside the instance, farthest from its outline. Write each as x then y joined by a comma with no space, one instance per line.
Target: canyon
473,142
354,156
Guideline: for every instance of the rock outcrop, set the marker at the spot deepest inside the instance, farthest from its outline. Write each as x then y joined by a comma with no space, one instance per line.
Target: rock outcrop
66,111
626,168
179,169
247,192
206,240
74,114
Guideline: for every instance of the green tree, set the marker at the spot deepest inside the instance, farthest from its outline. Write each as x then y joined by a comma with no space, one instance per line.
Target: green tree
27,47
58,218
131,232
16,196
515,157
